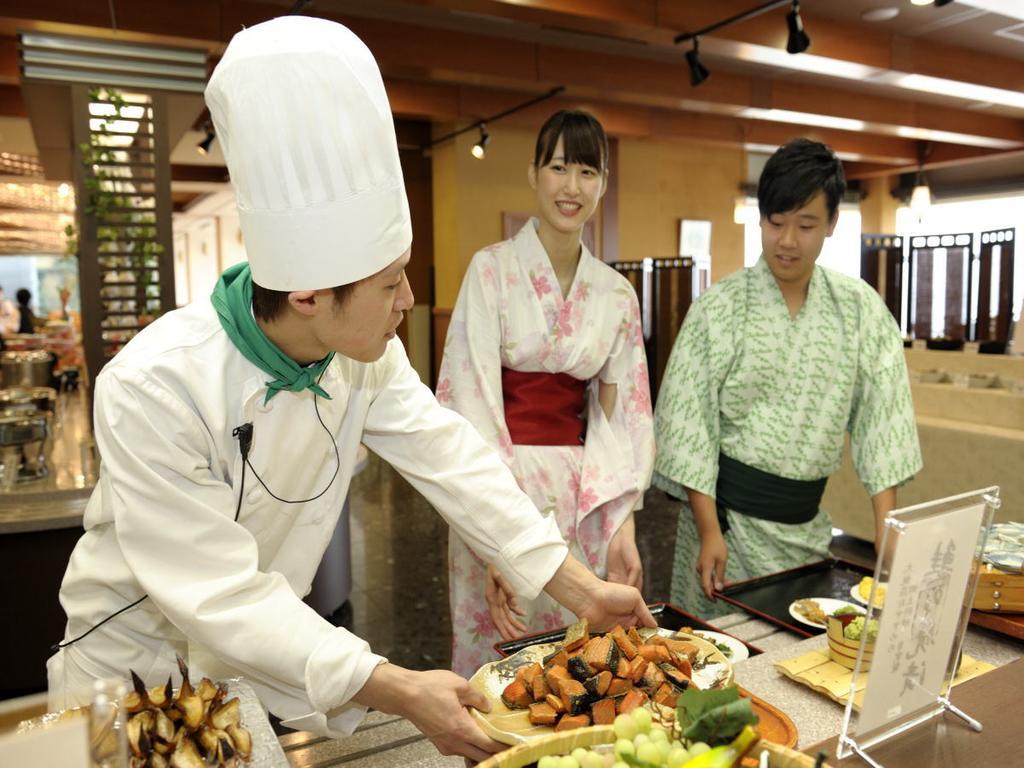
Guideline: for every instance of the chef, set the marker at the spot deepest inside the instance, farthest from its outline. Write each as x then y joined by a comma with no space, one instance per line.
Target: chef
229,429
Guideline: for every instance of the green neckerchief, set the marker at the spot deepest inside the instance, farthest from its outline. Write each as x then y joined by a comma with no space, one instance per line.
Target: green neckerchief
232,298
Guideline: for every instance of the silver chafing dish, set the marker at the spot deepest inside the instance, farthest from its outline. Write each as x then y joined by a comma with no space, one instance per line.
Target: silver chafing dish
26,423
27,368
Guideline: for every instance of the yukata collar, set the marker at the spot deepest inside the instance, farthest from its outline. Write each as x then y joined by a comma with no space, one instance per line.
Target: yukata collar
766,282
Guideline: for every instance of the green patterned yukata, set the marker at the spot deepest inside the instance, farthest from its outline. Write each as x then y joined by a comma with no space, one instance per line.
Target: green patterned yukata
778,393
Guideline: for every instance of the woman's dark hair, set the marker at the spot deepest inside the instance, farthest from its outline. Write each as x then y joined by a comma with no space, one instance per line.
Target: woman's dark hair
267,304
24,295
796,173
583,139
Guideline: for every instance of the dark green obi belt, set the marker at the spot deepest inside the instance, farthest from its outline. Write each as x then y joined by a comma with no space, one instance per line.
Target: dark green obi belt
761,494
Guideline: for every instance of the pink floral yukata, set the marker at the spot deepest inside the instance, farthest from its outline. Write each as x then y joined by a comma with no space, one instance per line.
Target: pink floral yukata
510,313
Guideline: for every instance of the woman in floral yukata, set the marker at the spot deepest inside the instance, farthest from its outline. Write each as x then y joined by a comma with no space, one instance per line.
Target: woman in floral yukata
545,357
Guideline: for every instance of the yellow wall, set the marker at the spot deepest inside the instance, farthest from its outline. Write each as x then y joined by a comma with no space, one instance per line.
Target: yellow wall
470,196
878,208
662,182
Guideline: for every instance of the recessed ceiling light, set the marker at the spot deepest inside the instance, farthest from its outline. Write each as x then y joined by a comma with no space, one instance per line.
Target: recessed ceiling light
920,2
880,14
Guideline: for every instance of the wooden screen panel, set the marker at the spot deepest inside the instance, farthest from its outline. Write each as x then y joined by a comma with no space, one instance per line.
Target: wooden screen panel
665,289
881,266
995,281
954,286
922,305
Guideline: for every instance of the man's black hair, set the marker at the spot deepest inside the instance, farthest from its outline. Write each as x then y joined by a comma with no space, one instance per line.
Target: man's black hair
24,295
796,173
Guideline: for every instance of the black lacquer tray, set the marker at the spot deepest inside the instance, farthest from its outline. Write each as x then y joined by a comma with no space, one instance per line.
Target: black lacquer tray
666,614
769,597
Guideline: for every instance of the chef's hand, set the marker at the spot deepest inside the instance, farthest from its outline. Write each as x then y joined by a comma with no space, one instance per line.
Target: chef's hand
624,566
602,603
437,703
503,605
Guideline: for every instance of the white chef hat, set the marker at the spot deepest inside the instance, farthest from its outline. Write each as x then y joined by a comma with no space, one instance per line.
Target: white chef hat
299,108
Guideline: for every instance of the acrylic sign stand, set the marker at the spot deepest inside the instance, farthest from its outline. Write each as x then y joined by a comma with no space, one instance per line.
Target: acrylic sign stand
930,559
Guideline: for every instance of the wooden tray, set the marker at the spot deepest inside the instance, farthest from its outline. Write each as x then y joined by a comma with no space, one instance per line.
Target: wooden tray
512,726
1011,624
769,597
819,673
564,743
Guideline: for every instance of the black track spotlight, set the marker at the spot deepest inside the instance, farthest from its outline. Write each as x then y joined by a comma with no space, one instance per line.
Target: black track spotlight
940,3
798,40
698,72
479,150
203,147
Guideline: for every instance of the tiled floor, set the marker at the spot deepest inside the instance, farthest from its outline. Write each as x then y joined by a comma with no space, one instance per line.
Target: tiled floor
399,601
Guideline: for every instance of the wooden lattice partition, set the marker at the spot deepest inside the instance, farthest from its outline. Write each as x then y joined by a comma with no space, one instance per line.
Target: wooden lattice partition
122,180
881,266
665,288
995,285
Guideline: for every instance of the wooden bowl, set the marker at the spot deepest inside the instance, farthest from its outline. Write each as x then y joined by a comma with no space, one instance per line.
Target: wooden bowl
843,651
563,743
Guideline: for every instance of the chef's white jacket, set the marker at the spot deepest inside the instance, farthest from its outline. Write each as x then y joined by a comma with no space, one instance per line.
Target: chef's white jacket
227,595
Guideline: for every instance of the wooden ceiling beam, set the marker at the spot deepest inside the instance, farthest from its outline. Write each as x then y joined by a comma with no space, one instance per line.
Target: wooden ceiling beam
856,43
468,102
11,102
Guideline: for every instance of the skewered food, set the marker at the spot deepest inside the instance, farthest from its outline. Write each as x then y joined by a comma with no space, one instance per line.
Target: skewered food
195,729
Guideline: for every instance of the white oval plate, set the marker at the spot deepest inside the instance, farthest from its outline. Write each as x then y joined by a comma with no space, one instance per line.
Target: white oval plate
828,605
737,650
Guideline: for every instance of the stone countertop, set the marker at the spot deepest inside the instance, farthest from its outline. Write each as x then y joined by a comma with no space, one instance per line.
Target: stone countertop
27,516
57,500
816,716
385,740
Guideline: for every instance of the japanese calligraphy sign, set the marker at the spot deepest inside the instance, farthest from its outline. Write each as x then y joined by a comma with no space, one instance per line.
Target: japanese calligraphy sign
929,565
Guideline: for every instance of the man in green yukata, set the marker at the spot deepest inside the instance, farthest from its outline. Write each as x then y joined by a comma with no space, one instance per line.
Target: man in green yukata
772,366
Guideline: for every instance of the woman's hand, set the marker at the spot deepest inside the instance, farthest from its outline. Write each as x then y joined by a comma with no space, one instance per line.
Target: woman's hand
503,605
437,703
624,565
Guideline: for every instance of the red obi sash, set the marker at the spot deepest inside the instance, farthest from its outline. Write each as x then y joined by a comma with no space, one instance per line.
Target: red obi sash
543,408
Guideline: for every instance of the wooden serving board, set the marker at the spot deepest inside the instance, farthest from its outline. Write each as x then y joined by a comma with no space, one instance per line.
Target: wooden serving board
512,726
1011,624
594,736
818,672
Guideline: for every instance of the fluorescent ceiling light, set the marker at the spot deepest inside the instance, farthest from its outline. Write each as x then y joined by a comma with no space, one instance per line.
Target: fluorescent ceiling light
1011,9
957,88
804,118
927,134
849,70
850,124
778,57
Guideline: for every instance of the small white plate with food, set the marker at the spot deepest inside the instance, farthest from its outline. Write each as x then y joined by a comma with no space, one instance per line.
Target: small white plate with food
862,591
814,611
730,647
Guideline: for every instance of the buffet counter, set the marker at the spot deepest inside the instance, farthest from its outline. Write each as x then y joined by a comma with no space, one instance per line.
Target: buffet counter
386,740
971,437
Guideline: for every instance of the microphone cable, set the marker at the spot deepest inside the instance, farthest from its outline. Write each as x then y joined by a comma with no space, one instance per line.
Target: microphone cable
244,435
